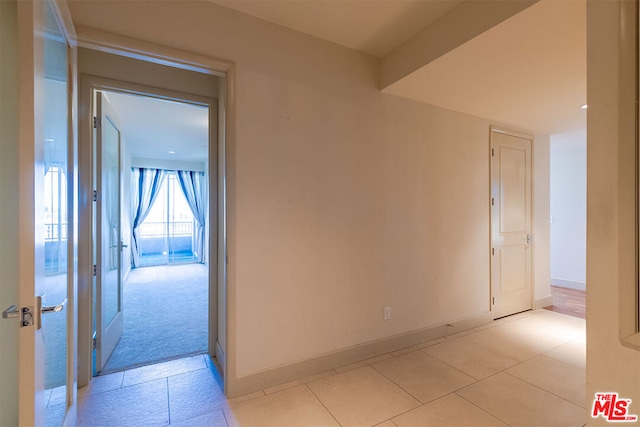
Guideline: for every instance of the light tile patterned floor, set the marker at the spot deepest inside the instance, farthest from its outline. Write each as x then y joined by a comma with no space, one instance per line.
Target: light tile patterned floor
524,370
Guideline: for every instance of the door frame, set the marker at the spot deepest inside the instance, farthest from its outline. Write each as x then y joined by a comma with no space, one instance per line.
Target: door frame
497,129
88,86
222,265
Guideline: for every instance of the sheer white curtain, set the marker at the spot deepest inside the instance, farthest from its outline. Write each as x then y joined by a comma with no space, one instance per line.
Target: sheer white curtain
146,185
193,187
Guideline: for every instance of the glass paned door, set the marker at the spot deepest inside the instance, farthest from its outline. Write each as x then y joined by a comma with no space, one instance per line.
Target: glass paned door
181,224
54,291
167,235
109,246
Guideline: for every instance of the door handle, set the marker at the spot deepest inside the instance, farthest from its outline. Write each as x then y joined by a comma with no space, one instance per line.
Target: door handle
11,312
45,309
53,308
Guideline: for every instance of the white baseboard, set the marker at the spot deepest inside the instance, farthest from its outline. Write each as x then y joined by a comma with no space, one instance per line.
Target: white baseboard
221,357
272,377
543,302
571,284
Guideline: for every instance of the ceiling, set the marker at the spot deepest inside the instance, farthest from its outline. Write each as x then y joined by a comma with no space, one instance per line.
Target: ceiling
374,27
153,127
528,71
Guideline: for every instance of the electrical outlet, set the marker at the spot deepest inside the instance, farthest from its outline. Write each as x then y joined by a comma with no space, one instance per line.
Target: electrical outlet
387,313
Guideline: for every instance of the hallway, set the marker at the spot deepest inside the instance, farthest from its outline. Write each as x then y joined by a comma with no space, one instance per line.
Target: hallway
526,370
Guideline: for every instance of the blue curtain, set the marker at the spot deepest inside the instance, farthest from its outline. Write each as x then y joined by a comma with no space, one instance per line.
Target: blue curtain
193,186
146,185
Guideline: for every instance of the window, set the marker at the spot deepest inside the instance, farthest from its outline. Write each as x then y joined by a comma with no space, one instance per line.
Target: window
167,234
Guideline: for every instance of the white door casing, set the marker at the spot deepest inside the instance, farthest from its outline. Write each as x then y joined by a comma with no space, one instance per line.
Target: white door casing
221,131
90,85
511,216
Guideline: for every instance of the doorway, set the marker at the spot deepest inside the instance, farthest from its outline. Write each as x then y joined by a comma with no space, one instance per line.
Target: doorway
164,78
151,213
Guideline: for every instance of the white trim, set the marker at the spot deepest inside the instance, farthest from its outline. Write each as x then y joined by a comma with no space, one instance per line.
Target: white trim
138,49
517,134
570,284
143,162
543,302
282,374
632,341
220,356
65,21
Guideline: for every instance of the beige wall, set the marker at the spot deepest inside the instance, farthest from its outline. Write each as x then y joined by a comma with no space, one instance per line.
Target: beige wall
8,213
541,226
611,32
344,200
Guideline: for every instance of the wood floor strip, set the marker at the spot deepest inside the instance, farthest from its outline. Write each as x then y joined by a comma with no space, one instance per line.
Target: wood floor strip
569,301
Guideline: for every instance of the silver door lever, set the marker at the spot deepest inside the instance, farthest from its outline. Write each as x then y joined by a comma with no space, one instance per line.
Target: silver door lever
11,312
53,308
44,309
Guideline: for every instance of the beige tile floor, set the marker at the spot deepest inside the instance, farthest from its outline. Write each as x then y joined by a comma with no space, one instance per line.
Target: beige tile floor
524,370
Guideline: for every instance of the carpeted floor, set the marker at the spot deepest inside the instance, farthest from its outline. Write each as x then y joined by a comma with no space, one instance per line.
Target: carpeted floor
165,315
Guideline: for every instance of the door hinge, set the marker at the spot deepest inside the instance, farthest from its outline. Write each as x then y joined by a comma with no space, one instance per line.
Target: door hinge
95,270
95,343
493,300
493,153
493,201
96,122
95,196
493,251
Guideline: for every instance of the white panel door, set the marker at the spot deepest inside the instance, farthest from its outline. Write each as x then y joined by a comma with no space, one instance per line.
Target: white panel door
109,244
510,223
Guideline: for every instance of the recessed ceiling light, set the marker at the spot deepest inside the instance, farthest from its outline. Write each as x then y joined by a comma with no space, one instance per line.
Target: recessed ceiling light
583,106
172,152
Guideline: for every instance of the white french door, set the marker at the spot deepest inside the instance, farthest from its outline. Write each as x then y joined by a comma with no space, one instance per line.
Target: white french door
109,242
45,312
